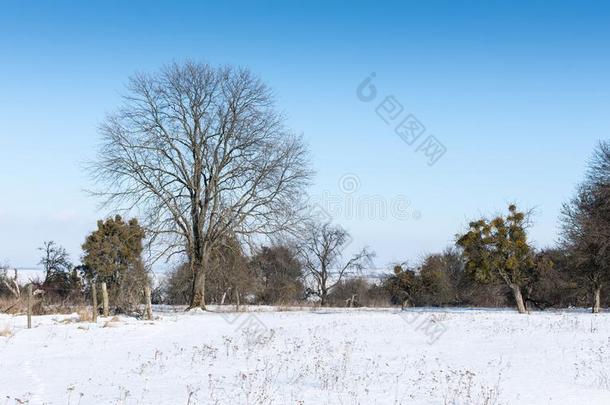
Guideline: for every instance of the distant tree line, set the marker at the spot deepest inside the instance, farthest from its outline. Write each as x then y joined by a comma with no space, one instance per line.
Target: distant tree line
218,182
492,264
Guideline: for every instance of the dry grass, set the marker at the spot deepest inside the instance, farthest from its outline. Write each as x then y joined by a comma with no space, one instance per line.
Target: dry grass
12,306
6,330
113,322
78,314
84,314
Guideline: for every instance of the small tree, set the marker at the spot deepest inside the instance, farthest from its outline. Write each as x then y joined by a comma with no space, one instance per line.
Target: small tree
321,252
280,273
499,249
60,281
401,285
55,260
552,283
229,276
440,275
113,254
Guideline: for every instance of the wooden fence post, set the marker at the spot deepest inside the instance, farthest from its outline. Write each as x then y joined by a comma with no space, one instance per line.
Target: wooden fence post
94,302
147,296
105,299
29,306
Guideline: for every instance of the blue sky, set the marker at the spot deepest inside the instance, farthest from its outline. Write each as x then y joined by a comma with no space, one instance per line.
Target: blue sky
517,92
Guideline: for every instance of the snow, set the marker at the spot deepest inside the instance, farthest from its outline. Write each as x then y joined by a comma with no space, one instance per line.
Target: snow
330,356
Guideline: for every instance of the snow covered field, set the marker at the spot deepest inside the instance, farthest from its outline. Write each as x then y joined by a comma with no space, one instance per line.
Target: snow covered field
309,357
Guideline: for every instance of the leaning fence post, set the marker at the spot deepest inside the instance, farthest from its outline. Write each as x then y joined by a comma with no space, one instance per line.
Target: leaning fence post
94,302
29,306
105,299
147,296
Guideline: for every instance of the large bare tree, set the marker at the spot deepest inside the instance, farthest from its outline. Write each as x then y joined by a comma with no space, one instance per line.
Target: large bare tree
201,152
321,250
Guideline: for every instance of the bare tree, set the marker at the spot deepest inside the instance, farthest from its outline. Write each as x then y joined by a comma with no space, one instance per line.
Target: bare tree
11,283
55,259
586,225
201,152
321,251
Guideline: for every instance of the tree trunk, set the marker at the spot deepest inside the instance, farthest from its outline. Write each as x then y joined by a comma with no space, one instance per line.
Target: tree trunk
518,298
94,303
199,263
596,299
105,302
322,285
147,298
198,295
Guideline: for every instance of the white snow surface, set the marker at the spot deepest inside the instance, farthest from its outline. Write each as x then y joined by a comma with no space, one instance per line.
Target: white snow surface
323,356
